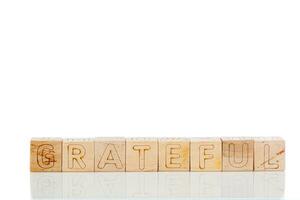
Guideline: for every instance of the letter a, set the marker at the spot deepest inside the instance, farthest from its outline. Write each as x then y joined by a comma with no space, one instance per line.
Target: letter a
110,156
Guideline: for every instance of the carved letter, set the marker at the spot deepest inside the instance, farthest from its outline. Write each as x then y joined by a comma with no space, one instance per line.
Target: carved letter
204,156
172,153
110,156
76,152
267,159
45,156
232,155
142,151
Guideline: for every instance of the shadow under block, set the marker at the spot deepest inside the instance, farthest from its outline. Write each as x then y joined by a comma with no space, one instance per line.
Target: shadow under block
206,154
110,155
78,155
238,154
269,154
141,155
174,154
45,155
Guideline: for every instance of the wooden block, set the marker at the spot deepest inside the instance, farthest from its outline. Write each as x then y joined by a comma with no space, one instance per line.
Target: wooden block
238,154
78,155
174,154
206,154
110,154
45,155
269,154
141,155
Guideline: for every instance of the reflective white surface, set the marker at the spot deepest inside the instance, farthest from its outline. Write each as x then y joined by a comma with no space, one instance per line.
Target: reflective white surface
157,185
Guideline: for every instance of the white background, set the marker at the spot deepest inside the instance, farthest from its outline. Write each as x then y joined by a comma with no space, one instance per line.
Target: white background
146,68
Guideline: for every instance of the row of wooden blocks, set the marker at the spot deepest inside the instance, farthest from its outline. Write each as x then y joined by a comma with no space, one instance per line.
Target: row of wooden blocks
157,154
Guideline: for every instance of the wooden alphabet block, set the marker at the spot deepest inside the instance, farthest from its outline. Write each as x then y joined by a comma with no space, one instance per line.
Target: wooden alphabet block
78,155
269,154
174,154
206,154
238,154
110,154
45,155
141,155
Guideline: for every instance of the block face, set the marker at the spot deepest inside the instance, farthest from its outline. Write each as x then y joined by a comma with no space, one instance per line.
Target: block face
206,154
141,155
174,154
46,155
78,155
110,154
269,154
238,154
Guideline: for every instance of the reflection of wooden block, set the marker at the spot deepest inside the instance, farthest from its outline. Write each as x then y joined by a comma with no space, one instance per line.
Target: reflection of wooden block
109,154
174,154
46,186
78,155
238,154
206,154
206,185
237,186
142,186
109,186
174,185
141,155
45,155
269,154
78,186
